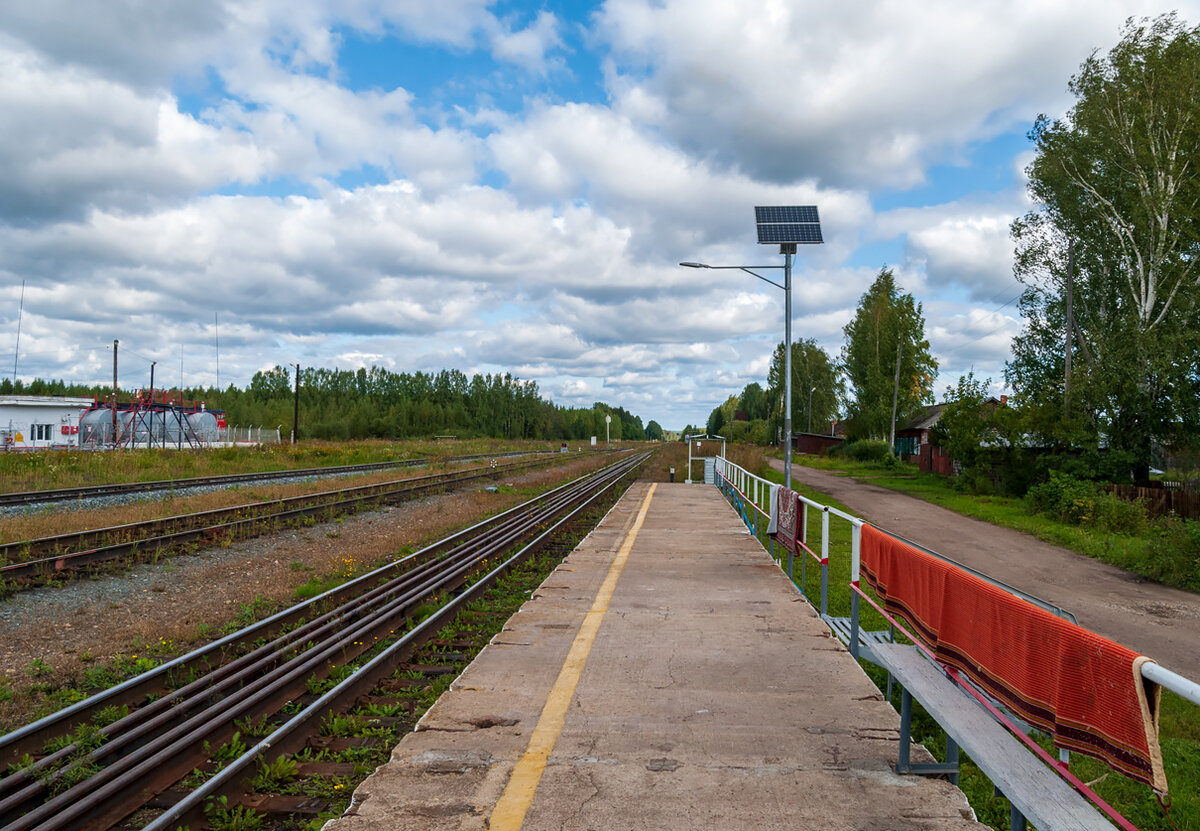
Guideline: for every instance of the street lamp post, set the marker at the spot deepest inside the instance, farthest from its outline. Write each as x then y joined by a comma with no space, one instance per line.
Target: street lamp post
786,226
810,392
786,285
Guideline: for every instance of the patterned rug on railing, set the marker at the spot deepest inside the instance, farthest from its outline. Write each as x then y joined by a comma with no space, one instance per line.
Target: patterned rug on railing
785,518
1083,689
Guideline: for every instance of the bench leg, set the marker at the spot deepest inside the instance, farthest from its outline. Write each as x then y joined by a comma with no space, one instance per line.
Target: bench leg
892,638
1016,820
854,625
904,763
952,758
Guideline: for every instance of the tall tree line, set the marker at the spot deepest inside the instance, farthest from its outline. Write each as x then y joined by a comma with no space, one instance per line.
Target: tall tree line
1110,257
379,403
884,376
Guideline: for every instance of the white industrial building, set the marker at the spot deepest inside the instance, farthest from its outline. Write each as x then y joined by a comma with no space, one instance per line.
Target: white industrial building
35,422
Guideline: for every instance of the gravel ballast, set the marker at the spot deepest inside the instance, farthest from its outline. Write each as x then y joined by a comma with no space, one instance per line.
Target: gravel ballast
54,633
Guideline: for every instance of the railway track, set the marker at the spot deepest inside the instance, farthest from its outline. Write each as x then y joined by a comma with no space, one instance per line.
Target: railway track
31,560
94,764
44,497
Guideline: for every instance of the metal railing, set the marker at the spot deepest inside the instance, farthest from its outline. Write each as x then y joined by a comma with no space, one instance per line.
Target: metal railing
248,434
755,495
752,497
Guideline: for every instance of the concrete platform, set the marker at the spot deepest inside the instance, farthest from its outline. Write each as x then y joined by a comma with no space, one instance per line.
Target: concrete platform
711,696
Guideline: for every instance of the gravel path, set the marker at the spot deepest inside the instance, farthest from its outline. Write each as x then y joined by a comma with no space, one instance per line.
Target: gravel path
1156,620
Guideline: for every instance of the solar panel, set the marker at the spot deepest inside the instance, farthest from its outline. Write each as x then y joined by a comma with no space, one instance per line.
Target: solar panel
786,213
785,232
788,224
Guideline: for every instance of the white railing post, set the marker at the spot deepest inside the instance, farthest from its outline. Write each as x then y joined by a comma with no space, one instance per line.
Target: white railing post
824,560
855,555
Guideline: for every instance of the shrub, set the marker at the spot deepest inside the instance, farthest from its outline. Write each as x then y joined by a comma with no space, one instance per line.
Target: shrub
1175,553
1080,502
1062,496
1118,516
864,451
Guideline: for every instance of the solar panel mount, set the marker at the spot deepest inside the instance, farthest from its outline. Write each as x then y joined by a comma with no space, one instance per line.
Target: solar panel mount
786,213
788,224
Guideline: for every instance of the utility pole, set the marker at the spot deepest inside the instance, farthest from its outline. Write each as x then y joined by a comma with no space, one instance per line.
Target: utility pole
114,401
296,409
1070,327
20,315
150,440
895,395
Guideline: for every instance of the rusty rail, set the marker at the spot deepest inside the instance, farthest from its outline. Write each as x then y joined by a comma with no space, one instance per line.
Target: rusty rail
145,752
50,556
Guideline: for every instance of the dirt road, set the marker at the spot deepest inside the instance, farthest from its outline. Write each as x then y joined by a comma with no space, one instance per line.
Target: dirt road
1157,621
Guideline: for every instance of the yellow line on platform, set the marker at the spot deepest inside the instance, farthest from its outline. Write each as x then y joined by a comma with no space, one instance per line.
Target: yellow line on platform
510,810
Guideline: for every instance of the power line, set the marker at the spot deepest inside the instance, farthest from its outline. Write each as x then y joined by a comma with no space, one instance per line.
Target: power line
1004,325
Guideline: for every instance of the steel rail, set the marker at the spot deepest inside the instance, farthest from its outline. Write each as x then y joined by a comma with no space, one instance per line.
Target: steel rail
288,737
162,762
157,763
88,491
78,549
175,703
32,737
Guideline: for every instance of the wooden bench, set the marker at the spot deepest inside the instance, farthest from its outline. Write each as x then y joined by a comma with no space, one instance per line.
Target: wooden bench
1035,792
866,640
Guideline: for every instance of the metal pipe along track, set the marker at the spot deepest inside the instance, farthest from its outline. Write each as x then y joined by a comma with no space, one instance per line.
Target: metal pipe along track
100,775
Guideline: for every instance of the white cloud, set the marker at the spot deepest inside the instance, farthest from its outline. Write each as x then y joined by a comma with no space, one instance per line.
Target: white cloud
146,43
964,244
70,141
867,93
166,162
971,251
528,48
676,204
576,389
971,339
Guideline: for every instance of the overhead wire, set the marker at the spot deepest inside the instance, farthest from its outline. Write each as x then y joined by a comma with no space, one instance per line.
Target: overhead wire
991,332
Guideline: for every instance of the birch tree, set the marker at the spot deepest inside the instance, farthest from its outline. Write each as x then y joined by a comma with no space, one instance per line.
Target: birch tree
1117,183
812,371
886,359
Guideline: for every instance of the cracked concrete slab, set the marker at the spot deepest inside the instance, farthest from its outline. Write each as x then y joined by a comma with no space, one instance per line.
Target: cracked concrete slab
713,696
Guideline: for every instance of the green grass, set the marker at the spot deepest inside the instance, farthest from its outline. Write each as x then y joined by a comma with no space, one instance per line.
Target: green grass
68,468
1135,554
1179,719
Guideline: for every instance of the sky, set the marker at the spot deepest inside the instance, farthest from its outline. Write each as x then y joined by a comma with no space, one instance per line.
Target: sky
509,187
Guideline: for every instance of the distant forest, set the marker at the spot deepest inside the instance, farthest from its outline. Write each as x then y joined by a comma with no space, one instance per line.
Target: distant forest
379,403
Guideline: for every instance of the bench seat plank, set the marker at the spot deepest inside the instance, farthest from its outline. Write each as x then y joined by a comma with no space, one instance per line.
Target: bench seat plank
1041,795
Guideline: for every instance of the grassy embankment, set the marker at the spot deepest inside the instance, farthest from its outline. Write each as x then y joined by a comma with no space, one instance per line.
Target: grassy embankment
1163,550
66,468
1180,720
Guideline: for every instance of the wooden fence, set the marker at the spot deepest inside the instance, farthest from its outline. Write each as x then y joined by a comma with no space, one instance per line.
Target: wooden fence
1161,501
